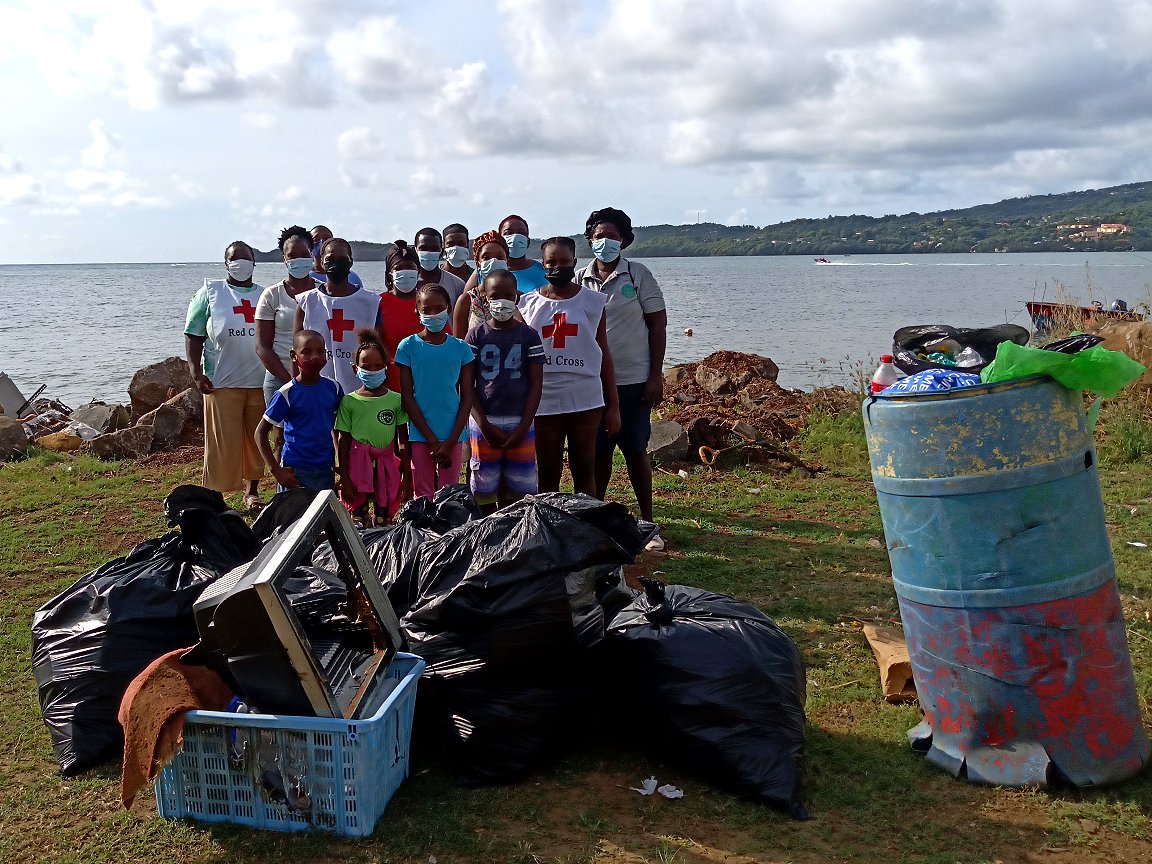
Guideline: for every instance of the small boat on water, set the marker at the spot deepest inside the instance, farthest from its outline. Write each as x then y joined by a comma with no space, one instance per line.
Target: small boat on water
821,260
1046,315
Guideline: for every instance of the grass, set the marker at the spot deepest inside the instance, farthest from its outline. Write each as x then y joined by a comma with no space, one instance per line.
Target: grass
807,551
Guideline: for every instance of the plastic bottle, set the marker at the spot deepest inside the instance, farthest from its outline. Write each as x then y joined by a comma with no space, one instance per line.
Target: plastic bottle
886,374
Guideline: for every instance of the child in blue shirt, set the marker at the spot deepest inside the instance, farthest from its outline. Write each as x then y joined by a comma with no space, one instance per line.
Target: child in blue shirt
306,408
436,388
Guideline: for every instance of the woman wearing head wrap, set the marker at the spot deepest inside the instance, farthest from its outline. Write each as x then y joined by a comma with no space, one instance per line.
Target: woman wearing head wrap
490,251
398,303
637,328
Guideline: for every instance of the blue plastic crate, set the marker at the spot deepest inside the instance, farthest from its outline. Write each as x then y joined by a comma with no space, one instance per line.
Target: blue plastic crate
341,773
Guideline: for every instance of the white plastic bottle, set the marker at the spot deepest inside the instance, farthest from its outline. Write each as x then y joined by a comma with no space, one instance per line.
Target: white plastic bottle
886,374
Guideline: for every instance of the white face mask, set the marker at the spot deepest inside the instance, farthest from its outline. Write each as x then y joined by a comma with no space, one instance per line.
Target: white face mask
298,268
241,269
456,255
517,245
502,310
405,280
428,260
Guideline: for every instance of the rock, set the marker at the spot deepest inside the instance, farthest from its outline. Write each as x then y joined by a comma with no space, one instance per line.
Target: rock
714,381
668,441
1133,338
748,433
103,417
132,443
676,376
707,432
153,385
177,419
13,439
64,441
685,399
167,425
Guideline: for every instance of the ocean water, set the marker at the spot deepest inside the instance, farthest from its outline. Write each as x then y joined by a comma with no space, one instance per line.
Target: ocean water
85,329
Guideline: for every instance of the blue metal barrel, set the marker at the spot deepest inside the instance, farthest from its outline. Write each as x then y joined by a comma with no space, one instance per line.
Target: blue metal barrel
995,529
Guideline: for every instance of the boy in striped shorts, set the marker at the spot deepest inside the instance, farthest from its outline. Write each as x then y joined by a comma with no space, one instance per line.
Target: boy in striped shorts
509,377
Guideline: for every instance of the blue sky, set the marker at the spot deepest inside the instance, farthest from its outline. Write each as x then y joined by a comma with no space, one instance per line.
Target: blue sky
161,130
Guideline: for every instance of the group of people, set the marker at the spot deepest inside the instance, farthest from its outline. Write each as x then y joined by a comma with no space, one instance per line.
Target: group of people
333,386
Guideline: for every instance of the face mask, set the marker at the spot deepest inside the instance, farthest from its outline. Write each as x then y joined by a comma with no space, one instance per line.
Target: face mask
372,380
298,268
338,269
517,245
606,249
405,280
241,269
502,310
311,365
559,276
456,255
317,248
491,264
435,323
428,260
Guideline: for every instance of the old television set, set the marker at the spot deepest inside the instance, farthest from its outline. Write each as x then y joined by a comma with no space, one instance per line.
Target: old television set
273,654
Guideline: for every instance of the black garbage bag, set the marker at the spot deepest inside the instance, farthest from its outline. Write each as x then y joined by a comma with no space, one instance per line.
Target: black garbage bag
282,512
907,342
1074,344
92,639
720,687
506,615
394,551
451,507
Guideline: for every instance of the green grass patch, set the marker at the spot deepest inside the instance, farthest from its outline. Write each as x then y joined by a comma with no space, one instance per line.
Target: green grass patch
807,551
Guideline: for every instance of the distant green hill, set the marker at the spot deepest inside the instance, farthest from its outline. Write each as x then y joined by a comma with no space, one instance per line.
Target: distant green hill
1067,222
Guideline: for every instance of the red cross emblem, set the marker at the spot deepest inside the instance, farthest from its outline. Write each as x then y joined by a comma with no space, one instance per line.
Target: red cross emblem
246,309
339,326
559,330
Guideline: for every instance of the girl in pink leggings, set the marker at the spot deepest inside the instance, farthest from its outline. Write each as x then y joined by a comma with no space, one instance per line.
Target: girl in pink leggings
436,386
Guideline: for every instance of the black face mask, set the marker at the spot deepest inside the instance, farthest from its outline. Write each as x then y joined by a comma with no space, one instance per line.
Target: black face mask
338,269
560,275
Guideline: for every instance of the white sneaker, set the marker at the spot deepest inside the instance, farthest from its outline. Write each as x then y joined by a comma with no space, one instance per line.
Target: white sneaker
656,544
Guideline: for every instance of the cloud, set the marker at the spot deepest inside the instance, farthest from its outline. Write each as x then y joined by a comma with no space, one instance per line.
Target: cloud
378,59
19,188
360,144
355,179
422,183
187,187
291,195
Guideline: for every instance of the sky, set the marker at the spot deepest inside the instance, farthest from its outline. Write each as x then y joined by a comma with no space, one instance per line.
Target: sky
162,130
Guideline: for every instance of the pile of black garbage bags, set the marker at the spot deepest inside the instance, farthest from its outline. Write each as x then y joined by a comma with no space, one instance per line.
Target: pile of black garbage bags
532,640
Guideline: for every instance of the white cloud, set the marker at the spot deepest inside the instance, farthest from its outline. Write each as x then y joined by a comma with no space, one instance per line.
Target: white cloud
355,179
18,188
103,148
291,195
422,183
380,60
360,144
187,187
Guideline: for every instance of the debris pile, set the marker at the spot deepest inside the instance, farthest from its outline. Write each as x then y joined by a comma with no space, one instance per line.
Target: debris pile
730,402
166,411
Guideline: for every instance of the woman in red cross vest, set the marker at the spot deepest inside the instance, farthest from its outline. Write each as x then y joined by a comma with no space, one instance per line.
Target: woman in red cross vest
579,382
220,340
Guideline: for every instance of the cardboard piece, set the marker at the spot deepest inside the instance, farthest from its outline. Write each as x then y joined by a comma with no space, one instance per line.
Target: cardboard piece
895,664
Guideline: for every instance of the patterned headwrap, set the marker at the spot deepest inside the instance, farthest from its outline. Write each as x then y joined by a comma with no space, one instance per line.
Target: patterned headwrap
486,238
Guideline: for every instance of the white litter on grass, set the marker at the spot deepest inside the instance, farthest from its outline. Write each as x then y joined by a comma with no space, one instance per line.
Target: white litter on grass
670,791
647,787
1137,544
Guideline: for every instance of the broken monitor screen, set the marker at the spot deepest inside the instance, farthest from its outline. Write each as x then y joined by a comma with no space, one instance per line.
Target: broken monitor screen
285,659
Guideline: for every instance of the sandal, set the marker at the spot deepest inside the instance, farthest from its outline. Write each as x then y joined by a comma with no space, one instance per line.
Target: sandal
253,503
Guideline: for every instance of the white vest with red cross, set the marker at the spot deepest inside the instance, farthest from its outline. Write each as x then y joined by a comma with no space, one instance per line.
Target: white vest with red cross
232,335
572,355
337,319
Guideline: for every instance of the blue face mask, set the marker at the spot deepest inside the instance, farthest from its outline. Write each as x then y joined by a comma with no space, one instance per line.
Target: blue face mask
491,264
372,380
435,323
298,268
428,260
606,249
517,245
405,280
